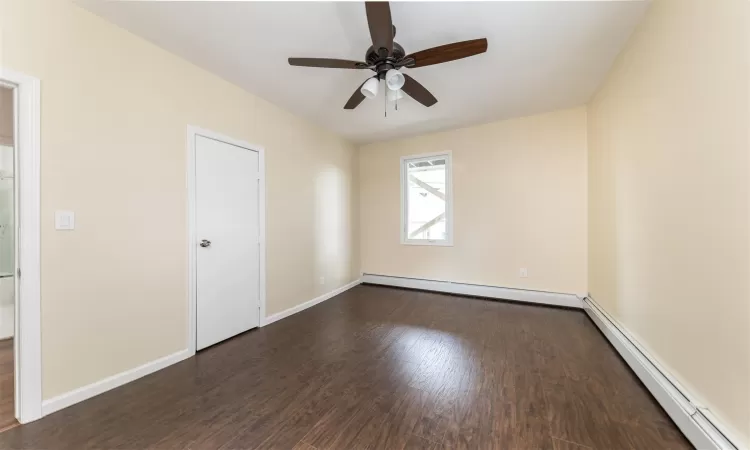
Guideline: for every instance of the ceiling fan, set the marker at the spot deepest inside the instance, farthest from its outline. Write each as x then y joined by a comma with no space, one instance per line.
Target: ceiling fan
386,57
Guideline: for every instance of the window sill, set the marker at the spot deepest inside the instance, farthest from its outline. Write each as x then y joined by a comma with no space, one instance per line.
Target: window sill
428,243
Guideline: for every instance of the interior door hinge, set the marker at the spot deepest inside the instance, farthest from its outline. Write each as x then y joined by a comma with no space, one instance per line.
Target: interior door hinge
18,273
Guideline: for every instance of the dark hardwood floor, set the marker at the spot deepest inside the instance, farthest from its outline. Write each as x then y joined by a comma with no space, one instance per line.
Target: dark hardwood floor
381,368
7,400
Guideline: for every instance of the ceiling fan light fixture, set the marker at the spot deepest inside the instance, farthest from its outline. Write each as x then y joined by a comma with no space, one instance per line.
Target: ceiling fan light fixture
392,95
385,56
370,88
394,79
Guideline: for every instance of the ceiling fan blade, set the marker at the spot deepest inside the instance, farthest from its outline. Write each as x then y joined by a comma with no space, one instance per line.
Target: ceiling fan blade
327,63
381,25
356,97
418,92
448,52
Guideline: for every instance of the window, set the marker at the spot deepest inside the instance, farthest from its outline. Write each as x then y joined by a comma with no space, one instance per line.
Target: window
426,200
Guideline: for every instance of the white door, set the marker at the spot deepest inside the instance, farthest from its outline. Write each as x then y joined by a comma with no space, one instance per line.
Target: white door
227,230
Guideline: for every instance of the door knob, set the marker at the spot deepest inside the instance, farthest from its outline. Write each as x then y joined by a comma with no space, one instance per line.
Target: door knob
205,243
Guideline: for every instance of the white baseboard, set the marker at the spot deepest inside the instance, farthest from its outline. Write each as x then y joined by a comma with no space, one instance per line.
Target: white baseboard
294,310
101,386
477,290
697,424
109,383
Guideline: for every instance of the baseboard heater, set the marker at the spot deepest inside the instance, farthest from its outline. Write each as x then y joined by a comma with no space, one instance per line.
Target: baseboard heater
477,290
697,423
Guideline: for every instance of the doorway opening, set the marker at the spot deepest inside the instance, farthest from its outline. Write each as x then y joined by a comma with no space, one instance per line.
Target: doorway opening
20,296
7,258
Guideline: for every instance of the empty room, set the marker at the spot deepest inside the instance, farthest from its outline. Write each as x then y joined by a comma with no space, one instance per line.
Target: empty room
375,225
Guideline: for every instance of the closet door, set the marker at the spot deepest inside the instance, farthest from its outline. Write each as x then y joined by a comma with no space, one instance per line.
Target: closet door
227,227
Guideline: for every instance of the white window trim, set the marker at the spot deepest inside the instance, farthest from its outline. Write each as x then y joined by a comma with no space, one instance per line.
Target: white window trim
448,242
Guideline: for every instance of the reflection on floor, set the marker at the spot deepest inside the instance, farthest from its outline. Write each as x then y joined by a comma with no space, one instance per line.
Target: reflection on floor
381,368
7,412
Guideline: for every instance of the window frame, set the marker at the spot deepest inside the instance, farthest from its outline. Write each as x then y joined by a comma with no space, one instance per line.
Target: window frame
448,241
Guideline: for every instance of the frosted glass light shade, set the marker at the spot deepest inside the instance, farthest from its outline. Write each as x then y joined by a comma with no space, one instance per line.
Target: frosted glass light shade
394,80
370,88
394,95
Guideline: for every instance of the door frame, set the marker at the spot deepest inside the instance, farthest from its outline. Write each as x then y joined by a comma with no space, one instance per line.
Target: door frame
27,334
192,133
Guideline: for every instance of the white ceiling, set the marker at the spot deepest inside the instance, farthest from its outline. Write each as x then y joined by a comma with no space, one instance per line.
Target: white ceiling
542,56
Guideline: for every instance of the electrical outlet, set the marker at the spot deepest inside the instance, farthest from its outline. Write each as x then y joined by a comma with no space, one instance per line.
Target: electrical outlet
523,273
322,280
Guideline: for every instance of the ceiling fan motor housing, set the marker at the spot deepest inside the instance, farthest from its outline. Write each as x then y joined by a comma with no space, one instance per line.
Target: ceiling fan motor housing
381,64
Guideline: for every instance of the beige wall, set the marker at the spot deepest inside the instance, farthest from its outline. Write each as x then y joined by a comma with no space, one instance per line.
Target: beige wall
519,201
668,197
114,115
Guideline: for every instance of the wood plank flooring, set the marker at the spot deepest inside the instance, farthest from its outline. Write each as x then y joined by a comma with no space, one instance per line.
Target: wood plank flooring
7,400
381,368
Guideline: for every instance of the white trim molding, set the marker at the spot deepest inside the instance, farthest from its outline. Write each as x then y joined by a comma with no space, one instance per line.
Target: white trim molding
192,242
310,303
28,322
109,383
697,424
477,290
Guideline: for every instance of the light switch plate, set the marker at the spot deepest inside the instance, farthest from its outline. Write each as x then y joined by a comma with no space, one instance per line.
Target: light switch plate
65,220
523,273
